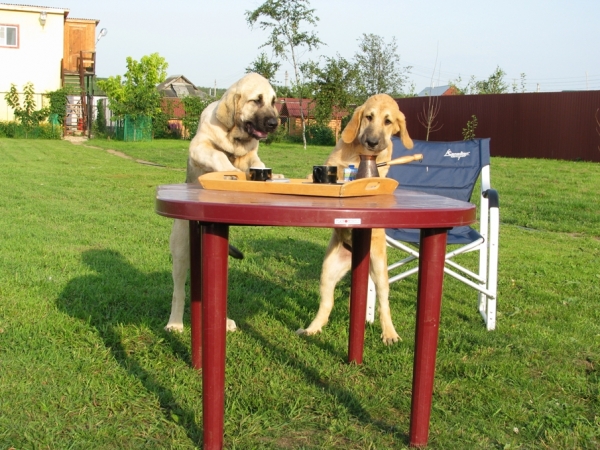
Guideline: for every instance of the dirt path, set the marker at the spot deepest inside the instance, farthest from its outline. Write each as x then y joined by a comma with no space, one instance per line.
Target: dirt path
81,140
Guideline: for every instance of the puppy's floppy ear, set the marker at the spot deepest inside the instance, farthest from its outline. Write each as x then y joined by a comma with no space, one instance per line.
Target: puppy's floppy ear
351,130
403,132
227,107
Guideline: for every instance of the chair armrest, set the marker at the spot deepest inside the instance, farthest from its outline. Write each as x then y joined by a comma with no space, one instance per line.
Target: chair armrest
492,196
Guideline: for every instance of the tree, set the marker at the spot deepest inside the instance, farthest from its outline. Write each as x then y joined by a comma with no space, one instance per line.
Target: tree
516,88
469,132
26,114
330,85
135,94
193,109
495,84
379,70
428,117
284,19
263,66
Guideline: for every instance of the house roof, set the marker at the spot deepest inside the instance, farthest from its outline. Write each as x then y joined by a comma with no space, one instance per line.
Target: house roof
178,86
436,91
34,8
73,19
290,107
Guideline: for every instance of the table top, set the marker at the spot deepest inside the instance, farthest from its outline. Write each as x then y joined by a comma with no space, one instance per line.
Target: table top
403,209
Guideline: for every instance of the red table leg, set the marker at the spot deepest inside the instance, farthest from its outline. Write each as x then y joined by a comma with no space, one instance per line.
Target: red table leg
196,294
214,324
361,251
429,298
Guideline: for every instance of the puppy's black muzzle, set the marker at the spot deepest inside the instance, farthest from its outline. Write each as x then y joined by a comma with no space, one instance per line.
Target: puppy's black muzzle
271,123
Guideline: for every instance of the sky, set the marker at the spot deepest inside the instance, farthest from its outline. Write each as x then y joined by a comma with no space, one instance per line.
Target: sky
555,43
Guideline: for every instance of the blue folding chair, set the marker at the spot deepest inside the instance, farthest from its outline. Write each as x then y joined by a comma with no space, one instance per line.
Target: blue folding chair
451,169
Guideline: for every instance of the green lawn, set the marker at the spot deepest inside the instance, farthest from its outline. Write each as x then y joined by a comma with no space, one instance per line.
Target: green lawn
85,290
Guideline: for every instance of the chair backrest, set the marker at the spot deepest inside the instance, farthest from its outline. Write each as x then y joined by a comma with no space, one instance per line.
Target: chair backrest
449,169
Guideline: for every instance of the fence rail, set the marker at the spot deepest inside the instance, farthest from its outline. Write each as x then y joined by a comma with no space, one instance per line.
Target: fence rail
556,125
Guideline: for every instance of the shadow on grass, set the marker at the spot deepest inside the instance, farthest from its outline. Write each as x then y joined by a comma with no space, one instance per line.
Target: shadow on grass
304,304
117,294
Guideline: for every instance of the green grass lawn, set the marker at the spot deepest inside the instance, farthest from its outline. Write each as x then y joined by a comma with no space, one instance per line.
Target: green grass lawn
85,290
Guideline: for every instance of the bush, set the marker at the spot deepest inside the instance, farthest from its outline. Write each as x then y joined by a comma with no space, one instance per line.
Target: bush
58,102
319,135
7,129
18,131
280,135
160,126
193,107
100,123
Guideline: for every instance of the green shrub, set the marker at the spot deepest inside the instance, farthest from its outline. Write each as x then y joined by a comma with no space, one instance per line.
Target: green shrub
319,135
280,135
58,102
193,107
7,129
19,131
100,123
160,126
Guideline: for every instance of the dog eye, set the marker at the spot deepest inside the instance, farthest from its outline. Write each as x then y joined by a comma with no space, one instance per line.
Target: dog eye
369,117
388,122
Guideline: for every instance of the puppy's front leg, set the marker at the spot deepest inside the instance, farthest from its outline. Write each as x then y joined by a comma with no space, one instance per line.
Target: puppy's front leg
180,252
338,261
378,271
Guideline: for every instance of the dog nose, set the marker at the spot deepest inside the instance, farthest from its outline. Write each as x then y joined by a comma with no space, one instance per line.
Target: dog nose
271,123
372,142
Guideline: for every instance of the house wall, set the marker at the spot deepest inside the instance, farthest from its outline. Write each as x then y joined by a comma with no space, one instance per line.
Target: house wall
38,56
295,126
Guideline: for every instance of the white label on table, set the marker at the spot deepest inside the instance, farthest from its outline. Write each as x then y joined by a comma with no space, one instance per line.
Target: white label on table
347,221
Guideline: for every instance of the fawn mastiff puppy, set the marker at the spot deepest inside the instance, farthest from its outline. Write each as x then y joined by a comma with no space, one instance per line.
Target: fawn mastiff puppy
227,139
368,132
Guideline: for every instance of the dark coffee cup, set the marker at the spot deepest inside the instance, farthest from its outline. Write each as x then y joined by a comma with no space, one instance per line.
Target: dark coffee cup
260,173
325,174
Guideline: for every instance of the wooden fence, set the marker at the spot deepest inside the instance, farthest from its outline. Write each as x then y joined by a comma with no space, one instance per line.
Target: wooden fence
556,125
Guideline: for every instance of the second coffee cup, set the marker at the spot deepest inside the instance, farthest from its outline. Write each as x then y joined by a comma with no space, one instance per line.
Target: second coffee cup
260,173
325,174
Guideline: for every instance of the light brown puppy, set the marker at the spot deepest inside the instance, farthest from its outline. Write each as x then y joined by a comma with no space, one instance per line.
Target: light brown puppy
368,132
227,139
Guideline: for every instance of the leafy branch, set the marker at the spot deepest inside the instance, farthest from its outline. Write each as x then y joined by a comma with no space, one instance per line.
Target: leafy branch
26,114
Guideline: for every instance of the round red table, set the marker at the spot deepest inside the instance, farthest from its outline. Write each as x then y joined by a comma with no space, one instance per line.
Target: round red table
212,212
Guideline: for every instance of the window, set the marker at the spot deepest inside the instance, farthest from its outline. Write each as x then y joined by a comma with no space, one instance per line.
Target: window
9,36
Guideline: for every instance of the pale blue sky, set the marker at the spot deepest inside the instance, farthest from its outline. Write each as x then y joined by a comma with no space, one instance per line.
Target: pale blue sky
556,43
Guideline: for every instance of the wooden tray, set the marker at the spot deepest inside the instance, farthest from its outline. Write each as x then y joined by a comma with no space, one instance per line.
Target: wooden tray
238,181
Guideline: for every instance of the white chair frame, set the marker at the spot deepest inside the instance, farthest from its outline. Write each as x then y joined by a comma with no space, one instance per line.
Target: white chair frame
485,281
